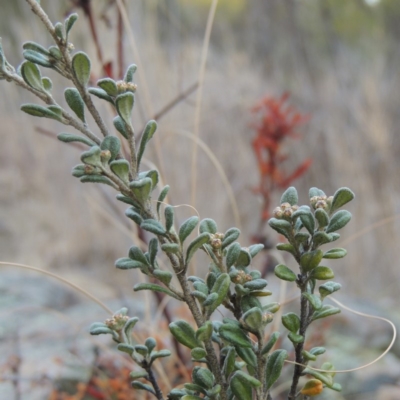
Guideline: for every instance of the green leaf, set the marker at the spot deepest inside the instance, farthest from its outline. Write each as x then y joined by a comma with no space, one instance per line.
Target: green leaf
75,103
153,175
341,197
272,307
221,288
195,245
47,84
203,377
161,198
138,374
232,254
69,22
286,247
128,327
109,86
313,299
325,311
142,386
295,338
241,385
67,138
59,30
113,144
136,254
274,366
244,258
81,68
31,75
160,354
322,273
39,111
317,351
163,276
55,53
315,192
208,225
155,288
308,356
126,348
255,249
198,353
229,362
101,94
35,47
119,125
230,236
153,249
291,322
204,333
253,319
234,335
153,226
127,263
169,218
281,226
124,105
96,179
323,377
256,284
141,189
170,248
79,170
271,343
311,260
328,288
322,217
38,58
187,228
148,133
134,215
129,73
92,156
335,253
320,238
285,273
184,334
121,169
338,221
290,196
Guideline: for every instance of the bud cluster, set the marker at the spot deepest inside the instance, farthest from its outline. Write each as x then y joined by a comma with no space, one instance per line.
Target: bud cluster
117,322
241,277
323,202
216,240
123,87
285,211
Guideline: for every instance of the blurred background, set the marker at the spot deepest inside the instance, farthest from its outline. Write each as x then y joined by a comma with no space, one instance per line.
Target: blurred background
335,61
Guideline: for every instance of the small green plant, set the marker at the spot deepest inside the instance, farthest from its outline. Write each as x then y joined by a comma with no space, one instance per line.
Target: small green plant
235,356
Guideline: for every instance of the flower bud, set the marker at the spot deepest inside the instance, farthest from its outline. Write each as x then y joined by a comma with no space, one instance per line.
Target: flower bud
105,156
216,243
284,206
277,213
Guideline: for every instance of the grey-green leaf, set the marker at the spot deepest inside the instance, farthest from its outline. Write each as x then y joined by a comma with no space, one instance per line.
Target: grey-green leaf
70,21
97,179
232,254
274,366
290,196
92,156
234,335
75,102
322,273
119,125
341,197
121,169
187,228
155,288
322,217
325,311
31,74
241,385
335,253
285,273
169,217
148,133
124,105
313,299
109,86
291,322
161,198
270,344
39,111
101,94
68,138
195,245
81,68
37,58
113,144
208,225
328,288
281,226
153,226
338,221
141,189
230,236
129,73
311,260
184,334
